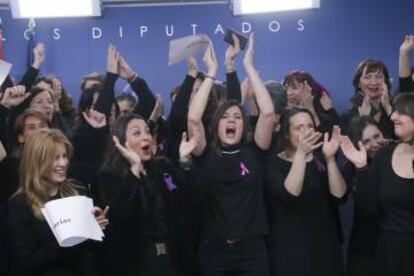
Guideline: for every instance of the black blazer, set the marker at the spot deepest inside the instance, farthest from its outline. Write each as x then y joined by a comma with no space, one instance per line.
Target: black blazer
125,196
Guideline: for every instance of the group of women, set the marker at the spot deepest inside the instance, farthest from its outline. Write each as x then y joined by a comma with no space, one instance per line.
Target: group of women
211,190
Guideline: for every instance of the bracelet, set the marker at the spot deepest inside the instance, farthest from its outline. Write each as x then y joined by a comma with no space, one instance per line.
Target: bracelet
210,77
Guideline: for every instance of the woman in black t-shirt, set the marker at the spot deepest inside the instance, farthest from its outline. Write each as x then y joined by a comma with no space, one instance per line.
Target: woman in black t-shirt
230,178
304,190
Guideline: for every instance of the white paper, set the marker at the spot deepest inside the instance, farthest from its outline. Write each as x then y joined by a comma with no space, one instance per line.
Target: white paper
4,70
71,220
185,47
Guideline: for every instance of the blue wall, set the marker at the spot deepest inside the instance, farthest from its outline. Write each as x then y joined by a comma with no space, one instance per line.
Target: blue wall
328,42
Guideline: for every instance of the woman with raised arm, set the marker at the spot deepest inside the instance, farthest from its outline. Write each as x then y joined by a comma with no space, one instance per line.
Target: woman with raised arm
35,250
230,178
406,72
304,189
146,195
386,189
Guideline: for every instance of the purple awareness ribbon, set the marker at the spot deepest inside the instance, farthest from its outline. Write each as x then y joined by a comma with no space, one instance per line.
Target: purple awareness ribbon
243,169
169,182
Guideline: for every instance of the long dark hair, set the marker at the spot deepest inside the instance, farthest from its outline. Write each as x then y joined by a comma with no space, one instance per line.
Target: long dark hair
114,161
283,142
217,115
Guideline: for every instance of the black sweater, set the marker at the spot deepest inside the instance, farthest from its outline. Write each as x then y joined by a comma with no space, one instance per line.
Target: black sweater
35,250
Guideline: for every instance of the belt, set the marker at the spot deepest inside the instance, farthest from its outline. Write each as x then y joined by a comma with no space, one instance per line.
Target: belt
229,241
157,248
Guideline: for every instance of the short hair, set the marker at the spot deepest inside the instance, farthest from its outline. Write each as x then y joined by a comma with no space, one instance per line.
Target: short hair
127,97
370,66
404,104
19,127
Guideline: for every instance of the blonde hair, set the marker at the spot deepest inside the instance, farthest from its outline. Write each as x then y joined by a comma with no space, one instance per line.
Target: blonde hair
36,163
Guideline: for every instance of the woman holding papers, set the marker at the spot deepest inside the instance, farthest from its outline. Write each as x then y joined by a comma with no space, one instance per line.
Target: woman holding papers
35,251
146,196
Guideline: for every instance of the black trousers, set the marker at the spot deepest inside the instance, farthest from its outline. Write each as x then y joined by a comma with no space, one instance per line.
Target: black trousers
233,258
361,264
395,254
155,264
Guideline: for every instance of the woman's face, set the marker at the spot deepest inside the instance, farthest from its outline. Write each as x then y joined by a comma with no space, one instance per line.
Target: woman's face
372,139
371,83
294,91
299,124
230,126
57,173
43,102
139,138
403,126
30,126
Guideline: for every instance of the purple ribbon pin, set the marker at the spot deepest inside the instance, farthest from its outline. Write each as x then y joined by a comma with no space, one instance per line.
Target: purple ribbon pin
161,146
243,169
169,182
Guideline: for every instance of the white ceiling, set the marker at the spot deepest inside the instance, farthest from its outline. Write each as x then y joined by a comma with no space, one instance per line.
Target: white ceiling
5,2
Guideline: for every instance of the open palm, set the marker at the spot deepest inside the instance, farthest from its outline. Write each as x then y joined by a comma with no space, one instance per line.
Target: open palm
357,157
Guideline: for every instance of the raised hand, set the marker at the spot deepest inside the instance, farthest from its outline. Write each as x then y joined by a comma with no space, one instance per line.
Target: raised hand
357,157
39,55
187,146
385,99
94,118
326,101
125,71
408,44
330,147
14,96
306,97
3,152
210,60
231,53
365,108
131,156
192,67
308,142
112,64
249,56
101,216
57,89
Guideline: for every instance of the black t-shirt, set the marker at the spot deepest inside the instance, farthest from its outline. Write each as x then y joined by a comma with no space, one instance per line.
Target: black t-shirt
381,191
406,84
231,187
304,229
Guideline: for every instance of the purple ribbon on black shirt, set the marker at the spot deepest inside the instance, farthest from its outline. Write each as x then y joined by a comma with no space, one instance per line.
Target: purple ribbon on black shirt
169,182
243,169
